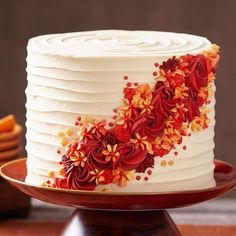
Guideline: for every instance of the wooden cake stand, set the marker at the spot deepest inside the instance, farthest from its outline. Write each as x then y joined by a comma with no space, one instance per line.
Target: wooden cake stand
100,213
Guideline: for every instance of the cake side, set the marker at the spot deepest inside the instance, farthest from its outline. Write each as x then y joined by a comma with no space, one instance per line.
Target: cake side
93,87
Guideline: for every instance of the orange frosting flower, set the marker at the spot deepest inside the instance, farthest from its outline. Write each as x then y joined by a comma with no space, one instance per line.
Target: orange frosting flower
199,123
142,97
121,177
181,92
97,176
111,153
141,142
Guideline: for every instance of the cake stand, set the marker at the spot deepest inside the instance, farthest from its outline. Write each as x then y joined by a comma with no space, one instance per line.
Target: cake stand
109,213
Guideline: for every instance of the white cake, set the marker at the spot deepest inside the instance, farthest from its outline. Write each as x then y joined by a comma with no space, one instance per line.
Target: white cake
84,74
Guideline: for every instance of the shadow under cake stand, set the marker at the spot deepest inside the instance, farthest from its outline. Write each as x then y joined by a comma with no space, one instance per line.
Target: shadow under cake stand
109,213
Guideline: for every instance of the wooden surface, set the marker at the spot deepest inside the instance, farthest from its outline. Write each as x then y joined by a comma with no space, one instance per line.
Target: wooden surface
43,228
217,217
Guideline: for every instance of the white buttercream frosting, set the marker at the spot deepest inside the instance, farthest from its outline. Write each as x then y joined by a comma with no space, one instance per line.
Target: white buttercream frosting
81,73
117,43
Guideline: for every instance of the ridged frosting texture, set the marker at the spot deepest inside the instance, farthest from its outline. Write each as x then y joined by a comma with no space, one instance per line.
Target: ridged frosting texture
117,43
77,74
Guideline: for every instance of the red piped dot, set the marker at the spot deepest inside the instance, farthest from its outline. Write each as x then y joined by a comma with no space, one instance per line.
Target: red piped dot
60,163
146,178
129,84
76,123
110,124
136,84
189,134
80,124
156,64
149,172
184,147
58,151
126,77
154,73
115,110
79,118
48,182
114,117
138,177
176,153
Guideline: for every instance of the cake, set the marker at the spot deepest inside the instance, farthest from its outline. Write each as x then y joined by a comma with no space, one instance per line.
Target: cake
121,111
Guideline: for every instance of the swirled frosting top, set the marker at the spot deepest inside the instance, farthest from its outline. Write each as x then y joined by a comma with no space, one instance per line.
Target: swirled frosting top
118,43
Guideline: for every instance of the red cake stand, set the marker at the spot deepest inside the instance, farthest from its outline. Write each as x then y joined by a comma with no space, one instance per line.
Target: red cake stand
100,213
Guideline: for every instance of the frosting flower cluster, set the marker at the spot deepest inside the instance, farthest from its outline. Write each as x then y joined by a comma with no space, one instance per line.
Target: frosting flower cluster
149,124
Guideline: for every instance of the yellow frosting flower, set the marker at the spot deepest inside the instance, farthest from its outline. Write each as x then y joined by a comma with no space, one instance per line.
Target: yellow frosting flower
203,92
142,97
199,122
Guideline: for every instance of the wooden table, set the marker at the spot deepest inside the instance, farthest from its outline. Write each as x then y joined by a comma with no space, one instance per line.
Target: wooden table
42,228
216,218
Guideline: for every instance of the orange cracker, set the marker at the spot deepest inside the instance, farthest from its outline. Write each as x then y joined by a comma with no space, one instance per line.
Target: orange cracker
10,153
11,144
7,123
15,133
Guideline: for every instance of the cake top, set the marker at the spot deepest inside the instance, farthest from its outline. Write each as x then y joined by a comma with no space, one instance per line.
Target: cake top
118,43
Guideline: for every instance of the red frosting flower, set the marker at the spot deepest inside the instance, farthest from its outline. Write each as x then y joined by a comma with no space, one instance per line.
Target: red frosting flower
163,100
77,177
110,137
177,122
80,178
108,176
93,150
176,80
149,125
121,133
129,93
61,183
198,72
170,64
192,103
130,156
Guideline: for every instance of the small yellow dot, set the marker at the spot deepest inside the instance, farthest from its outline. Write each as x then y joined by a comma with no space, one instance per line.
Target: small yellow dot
60,134
61,172
69,132
73,158
106,190
171,163
51,174
64,142
43,184
163,163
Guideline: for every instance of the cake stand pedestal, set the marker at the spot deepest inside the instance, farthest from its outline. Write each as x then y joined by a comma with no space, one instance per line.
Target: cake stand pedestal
132,214
94,222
